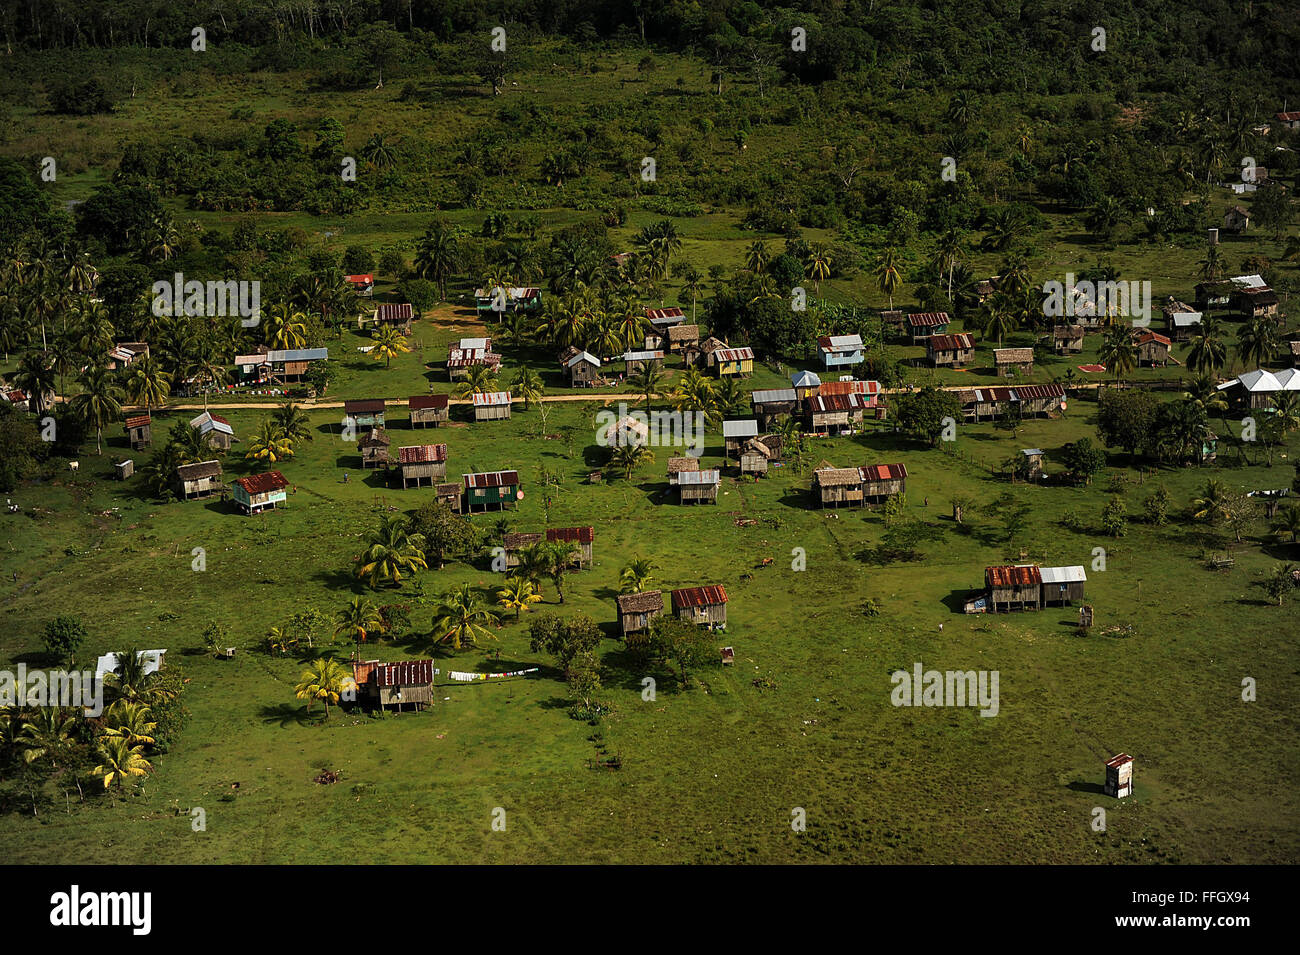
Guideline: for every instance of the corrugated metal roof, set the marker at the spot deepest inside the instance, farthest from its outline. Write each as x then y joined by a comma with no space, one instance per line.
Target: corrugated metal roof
299,354
840,343
928,319
207,422
1119,760
404,673
773,396
805,379
699,477
822,404
643,356
262,483
740,429
1035,392
734,354
492,479
664,315
138,421
1020,575
949,342
1063,575
578,535
422,454
689,597
363,406
424,402
491,399
588,357
391,312
883,472
483,344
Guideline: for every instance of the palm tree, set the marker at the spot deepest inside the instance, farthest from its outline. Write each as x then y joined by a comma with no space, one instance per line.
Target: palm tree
1207,353
648,381
757,257
532,565
818,265
389,343
323,680
391,550
636,576
1213,504
377,152
527,384
284,328
359,619
147,384
626,458
560,556
1210,268
1287,523
887,272
1286,410
119,762
1118,352
438,256
270,445
1256,342
460,617
998,317
130,722
948,252
35,375
695,393
98,403
293,422
49,735
479,380
129,681
517,594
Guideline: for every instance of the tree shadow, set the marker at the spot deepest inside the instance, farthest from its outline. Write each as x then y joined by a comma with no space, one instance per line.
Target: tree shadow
289,714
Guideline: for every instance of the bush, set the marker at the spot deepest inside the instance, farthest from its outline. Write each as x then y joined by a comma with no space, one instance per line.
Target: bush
63,637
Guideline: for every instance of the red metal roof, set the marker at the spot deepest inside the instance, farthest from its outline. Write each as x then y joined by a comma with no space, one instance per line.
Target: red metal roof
262,483
698,597
949,342
391,312
404,673
1034,392
653,313
1153,337
422,453
492,479
364,406
817,404
928,319
1289,117
883,472
1123,758
578,535
138,421
361,279
1018,576
421,402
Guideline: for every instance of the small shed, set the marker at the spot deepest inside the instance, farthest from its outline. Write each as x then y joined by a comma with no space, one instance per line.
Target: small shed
216,432
259,492
1119,776
461,360
770,403
1062,585
139,431
491,405
1182,321
421,463
1236,219
952,350
636,611
582,537
375,449
699,487
734,362
1018,587
834,414
428,410
706,606
758,453
840,351
637,361
583,369
449,494
683,337
1033,462
125,469
515,542
491,489
1067,339
922,325
708,349
679,466
880,481
736,433
805,384
835,486
202,479
396,315
1013,361
627,431
365,412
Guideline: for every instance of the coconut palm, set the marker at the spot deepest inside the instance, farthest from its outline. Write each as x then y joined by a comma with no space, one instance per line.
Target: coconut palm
1207,353
479,380
757,256
1213,506
517,594
48,735
997,316
527,384
130,722
389,343
1280,581
323,680
1256,342
648,381
391,550
1211,267
1287,523
129,680
270,444
99,402
817,266
358,620
948,252
35,375
636,576
626,458
119,762
696,393
284,328
438,256
1118,352
560,556
1286,410
293,422
147,384
460,617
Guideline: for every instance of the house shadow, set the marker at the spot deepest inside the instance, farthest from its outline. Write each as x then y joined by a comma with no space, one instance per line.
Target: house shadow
1083,786
955,600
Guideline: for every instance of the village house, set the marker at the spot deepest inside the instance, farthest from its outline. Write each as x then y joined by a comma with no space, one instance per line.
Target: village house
921,325
706,606
1256,389
1062,585
868,392
449,494
424,462
1067,339
514,299
805,383
835,486
395,684
1181,320
123,354
756,454
216,432
894,318
627,431
955,350
735,434
491,405
581,537
255,367
880,481
515,543
679,466
1017,587
583,369
491,489
834,414
1009,362
375,449
637,611
139,431
1152,348
1236,219
286,366
698,487
428,410
398,316
202,479
260,492
637,361
461,359
1254,302
1291,119
985,404
363,285
15,397
734,362
364,413
840,351
680,338
768,404
707,350
985,288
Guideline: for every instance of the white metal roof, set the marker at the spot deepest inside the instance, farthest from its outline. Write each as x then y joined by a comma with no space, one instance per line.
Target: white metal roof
699,477
740,429
1063,575
1249,281
490,398
583,356
845,342
773,394
805,379
152,660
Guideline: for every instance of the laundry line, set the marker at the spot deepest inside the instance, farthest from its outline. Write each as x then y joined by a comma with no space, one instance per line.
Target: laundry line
461,677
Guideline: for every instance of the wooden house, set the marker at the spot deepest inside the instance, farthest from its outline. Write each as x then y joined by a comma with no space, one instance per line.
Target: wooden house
679,466
398,316
461,360
1013,361
698,487
491,489
581,537
834,414
734,362
706,606
491,406
637,361
1067,339
515,543
1181,320
428,410
139,431
681,338
707,350
952,350
421,463
1291,119
768,404
199,480
1236,219
880,481
840,351
449,494
868,393
922,325
986,404
364,412
16,397
758,453
894,318
1119,776
285,366
627,431
375,449
1062,585
805,384
1254,302
407,682
1018,587
362,284
259,492
836,486
567,352
637,611
1258,388
736,433
123,354
1152,349
216,432
1037,400
255,367
583,369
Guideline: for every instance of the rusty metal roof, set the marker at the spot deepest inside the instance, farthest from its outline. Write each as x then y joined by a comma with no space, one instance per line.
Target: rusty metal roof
423,454
819,404
949,342
404,673
138,421
578,535
1020,575
363,406
699,597
734,354
422,402
491,399
928,319
263,483
492,479
883,472
391,312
